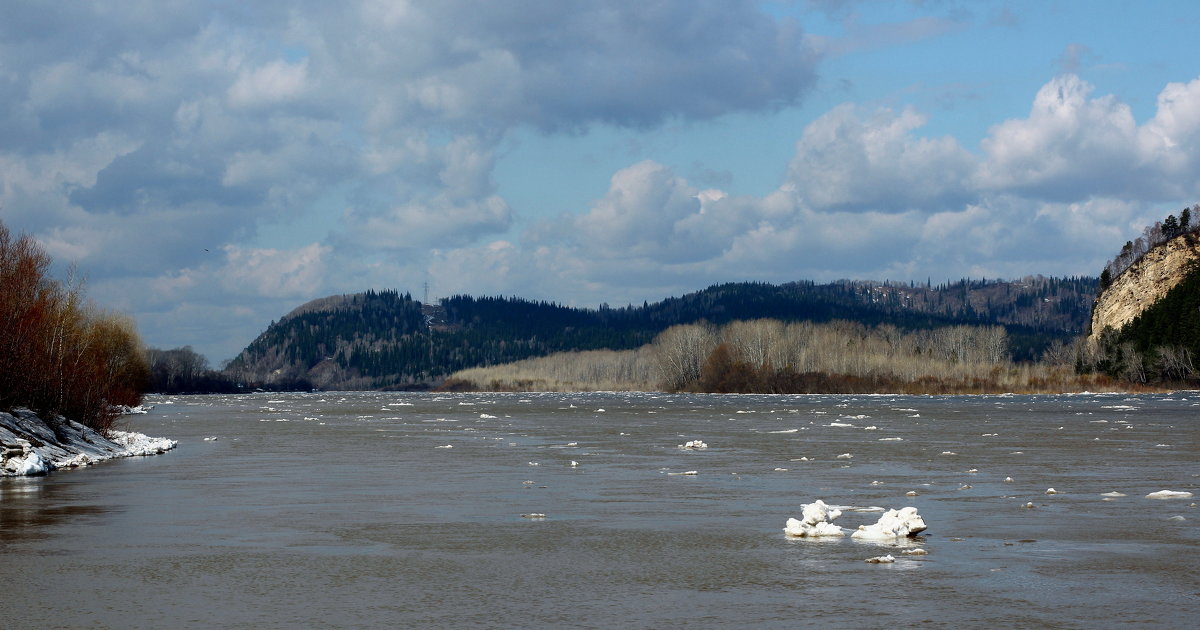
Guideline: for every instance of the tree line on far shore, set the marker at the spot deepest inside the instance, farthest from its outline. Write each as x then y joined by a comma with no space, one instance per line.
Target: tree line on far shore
771,356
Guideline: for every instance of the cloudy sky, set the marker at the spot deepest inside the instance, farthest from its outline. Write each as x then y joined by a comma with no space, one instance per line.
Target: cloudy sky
209,165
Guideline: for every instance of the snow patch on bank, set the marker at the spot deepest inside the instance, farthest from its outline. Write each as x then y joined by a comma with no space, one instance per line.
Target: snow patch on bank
31,446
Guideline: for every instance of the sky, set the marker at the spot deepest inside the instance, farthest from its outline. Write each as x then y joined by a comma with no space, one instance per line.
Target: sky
207,166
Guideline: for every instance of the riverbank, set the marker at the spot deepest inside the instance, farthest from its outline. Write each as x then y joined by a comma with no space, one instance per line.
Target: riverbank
29,445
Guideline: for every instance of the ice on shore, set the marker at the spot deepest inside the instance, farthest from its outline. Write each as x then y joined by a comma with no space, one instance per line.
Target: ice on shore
1169,494
30,446
893,524
816,521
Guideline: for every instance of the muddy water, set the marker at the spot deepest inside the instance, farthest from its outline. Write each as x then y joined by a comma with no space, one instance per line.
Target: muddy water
341,511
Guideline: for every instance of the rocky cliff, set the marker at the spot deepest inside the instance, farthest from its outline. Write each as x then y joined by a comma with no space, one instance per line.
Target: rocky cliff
1145,283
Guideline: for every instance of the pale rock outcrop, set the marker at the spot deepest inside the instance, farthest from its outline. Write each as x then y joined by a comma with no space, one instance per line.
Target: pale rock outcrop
1143,284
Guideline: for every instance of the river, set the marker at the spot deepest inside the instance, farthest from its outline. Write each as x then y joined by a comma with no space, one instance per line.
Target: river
391,510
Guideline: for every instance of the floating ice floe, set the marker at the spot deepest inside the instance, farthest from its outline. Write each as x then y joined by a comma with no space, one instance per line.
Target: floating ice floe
1113,494
949,453
840,424
910,493
888,559
534,516
486,416
915,552
781,470
1169,494
446,446
688,473
902,523
845,456
211,438
693,445
574,464
891,439
1051,491
1008,480
1177,517
816,521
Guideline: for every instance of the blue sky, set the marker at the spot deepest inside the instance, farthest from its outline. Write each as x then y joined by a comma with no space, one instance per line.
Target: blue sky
208,166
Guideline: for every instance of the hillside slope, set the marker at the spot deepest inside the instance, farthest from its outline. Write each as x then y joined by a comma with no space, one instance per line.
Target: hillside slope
384,339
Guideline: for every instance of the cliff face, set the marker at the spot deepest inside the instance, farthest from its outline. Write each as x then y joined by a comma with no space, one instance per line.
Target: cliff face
1145,283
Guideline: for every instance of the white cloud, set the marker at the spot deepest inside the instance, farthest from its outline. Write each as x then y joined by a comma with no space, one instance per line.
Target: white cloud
274,273
270,84
854,159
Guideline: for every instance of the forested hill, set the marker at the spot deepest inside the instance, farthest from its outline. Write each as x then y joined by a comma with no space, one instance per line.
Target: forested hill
386,339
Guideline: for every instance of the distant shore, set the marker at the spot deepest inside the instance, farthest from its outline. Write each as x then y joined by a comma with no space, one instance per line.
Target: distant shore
31,445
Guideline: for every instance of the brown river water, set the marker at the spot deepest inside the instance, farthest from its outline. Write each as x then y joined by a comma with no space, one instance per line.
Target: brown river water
339,510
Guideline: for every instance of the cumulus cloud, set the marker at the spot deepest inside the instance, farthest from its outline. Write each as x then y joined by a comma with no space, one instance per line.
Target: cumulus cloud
854,159
1069,146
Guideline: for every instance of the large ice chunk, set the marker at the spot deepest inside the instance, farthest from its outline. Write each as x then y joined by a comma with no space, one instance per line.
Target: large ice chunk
892,524
816,521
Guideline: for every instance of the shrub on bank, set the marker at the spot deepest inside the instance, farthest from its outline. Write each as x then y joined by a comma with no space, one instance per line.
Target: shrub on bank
58,355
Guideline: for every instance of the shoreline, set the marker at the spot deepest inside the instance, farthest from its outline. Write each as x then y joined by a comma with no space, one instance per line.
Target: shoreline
30,446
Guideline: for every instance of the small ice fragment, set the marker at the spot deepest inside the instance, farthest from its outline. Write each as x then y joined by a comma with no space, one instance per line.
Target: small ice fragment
1162,445
973,470
1169,494
905,522
871,428
888,559
534,515
600,411
485,416
949,453
845,456
534,464
1008,480
572,443
910,493
1028,505
211,439
840,424
891,439
574,464
446,446
877,483
1177,518
1113,494
693,445
799,459
1051,491
965,486
688,473
781,470
915,552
